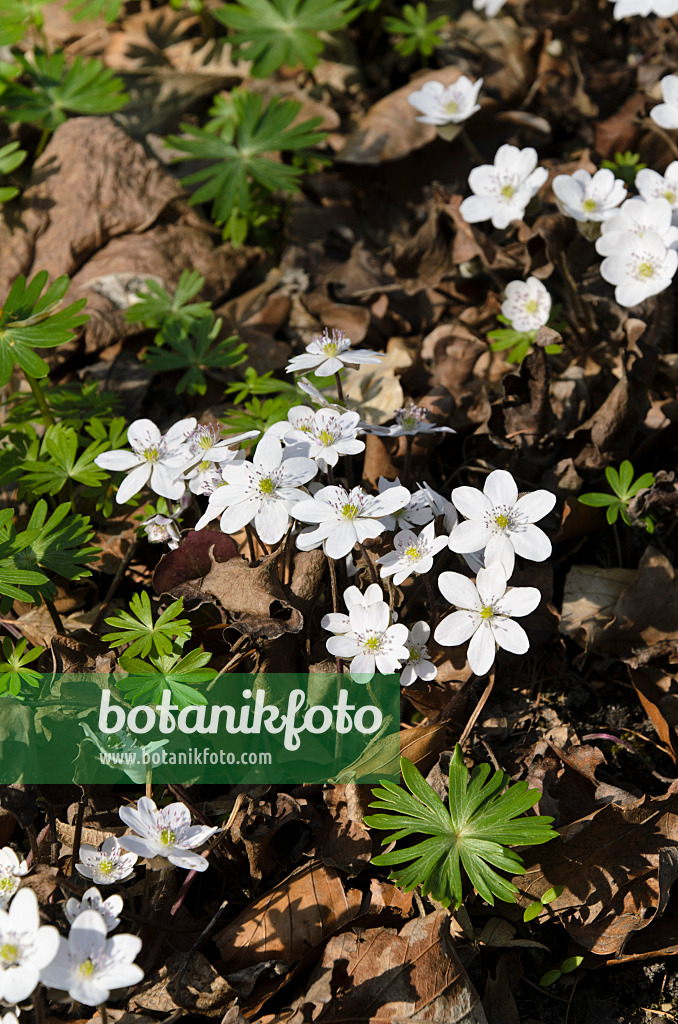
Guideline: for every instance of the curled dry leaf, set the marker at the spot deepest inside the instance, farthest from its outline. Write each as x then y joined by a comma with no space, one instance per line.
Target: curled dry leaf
181,571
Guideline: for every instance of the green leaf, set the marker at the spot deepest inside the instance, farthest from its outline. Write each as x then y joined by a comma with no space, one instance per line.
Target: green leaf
157,307
11,157
481,821
29,319
60,544
419,34
550,977
625,476
180,675
13,667
282,33
553,893
571,964
614,480
109,10
15,578
534,910
195,350
55,90
597,500
137,627
646,480
59,462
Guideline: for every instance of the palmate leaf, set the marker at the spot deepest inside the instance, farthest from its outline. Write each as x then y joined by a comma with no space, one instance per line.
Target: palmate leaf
61,544
473,834
55,90
195,350
13,666
58,462
180,675
156,306
282,33
142,633
419,34
29,320
14,577
235,163
109,10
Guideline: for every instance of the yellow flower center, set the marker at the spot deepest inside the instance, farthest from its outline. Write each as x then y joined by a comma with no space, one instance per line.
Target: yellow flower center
373,643
531,306
330,348
9,953
501,520
412,551
326,437
645,269
151,454
105,866
589,205
6,883
167,836
508,191
486,612
267,486
670,196
451,107
350,511
87,968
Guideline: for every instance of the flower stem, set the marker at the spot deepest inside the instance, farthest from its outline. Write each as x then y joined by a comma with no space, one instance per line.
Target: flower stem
407,468
39,396
432,602
42,142
370,564
335,602
77,833
54,615
250,543
103,1013
340,390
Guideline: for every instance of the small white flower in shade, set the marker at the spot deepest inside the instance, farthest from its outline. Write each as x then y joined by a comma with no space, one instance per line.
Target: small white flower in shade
503,189
653,185
666,114
299,418
304,384
207,443
640,267
327,354
501,524
412,554
12,870
338,622
417,511
371,645
162,530
89,966
446,104
438,505
264,491
106,865
587,197
329,435
345,518
630,8
156,459
26,947
419,665
490,7
110,908
9,1018
409,421
486,610
636,217
166,833
527,304
206,476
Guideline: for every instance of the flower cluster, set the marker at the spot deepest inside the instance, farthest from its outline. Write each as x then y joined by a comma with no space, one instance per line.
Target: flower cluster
502,190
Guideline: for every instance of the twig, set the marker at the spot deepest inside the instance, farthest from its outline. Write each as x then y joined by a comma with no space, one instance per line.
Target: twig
476,711
370,564
120,572
340,390
77,834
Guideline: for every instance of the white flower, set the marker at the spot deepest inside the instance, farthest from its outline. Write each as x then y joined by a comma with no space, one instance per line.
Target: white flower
640,267
165,833
485,614
419,665
12,870
527,304
304,384
162,529
109,864
587,197
653,185
438,505
26,947
208,450
88,965
501,524
491,7
636,217
345,518
264,490
156,459
503,189
409,421
327,354
328,435
451,104
9,1018
628,8
371,645
337,622
412,554
666,114
109,909
416,512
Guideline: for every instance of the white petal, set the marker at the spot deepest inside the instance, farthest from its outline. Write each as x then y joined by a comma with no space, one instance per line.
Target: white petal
272,521
471,502
482,649
456,628
133,483
509,635
518,601
536,505
341,540
491,583
531,542
116,460
500,488
143,434
459,590
500,549
472,535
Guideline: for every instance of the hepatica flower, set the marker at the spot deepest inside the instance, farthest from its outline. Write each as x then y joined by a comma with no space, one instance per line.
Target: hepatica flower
372,644
88,965
162,530
12,870
26,947
501,524
446,104
416,512
207,451
490,7
409,421
527,305
264,491
327,435
418,664
628,8
166,833
106,865
345,518
639,267
328,353
110,909
412,554
503,189
587,197
653,185
666,114
485,614
637,217
156,459
338,622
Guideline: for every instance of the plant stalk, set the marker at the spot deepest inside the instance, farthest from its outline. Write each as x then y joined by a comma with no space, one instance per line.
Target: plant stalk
39,396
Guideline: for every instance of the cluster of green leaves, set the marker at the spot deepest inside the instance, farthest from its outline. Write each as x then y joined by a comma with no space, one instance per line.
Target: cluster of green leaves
282,33
157,309
109,10
521,342
567,966
53,90
419,35
240,175
195,349
625,166
535,909
14,670
624,488
11,157
144,634
474,831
